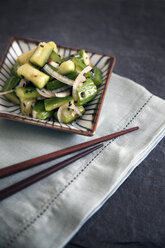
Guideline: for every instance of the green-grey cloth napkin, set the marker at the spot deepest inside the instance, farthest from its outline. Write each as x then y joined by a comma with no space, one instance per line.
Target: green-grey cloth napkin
50,212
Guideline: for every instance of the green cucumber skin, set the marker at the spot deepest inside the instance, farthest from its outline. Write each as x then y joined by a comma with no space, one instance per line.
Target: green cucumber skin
81,60
56,102
65,59
13,97
15,68
84,57
72,75
56,84
86,92
78,56
10,84
81,53
78,60
95,75
78,63
55,57
68,116
40,111
27,93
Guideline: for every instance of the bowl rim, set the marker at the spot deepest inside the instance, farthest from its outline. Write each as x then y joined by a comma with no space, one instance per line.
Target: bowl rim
48,125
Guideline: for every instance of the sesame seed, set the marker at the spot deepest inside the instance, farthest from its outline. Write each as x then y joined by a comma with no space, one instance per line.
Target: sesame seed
82,94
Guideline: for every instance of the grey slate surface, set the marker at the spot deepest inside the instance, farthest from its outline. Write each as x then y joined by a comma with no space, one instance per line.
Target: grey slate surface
134,32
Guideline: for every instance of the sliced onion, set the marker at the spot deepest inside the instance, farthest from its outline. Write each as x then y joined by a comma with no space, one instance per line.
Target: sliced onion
72,106
76,109
46,93
21,84
63,94
34,114
54,64
6,92
59,112
49,94
58,76
79,80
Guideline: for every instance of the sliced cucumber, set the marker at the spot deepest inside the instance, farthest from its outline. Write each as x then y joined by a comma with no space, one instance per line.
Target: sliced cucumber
55,57
51,43
86,92
10,84
39,111
15,68
27,93
68,115
34,75
56,102
55,84
78,64
84,56
96,76
42,53
66,67
25,57
27,106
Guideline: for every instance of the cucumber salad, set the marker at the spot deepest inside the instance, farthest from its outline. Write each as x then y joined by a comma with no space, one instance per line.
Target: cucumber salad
47,85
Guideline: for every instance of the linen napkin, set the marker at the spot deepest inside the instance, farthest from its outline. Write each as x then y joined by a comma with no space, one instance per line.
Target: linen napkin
50,212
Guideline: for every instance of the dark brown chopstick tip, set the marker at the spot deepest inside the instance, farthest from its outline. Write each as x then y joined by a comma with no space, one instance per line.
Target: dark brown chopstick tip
135,128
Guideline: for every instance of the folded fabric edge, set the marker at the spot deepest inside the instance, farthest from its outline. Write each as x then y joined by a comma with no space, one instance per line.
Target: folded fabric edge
132,166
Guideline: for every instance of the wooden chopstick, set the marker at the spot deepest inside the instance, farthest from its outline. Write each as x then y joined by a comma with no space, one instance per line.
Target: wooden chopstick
38,176
4,172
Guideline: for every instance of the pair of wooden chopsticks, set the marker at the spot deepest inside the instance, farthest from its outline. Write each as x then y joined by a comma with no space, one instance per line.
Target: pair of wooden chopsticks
4,172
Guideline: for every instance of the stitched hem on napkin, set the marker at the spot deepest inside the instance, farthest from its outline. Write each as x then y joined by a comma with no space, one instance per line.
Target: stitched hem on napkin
123,178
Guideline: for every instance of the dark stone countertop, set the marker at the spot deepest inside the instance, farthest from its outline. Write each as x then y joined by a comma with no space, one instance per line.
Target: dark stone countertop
134,32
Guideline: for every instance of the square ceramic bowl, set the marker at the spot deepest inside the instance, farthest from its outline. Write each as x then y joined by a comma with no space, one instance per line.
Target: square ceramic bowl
85,125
